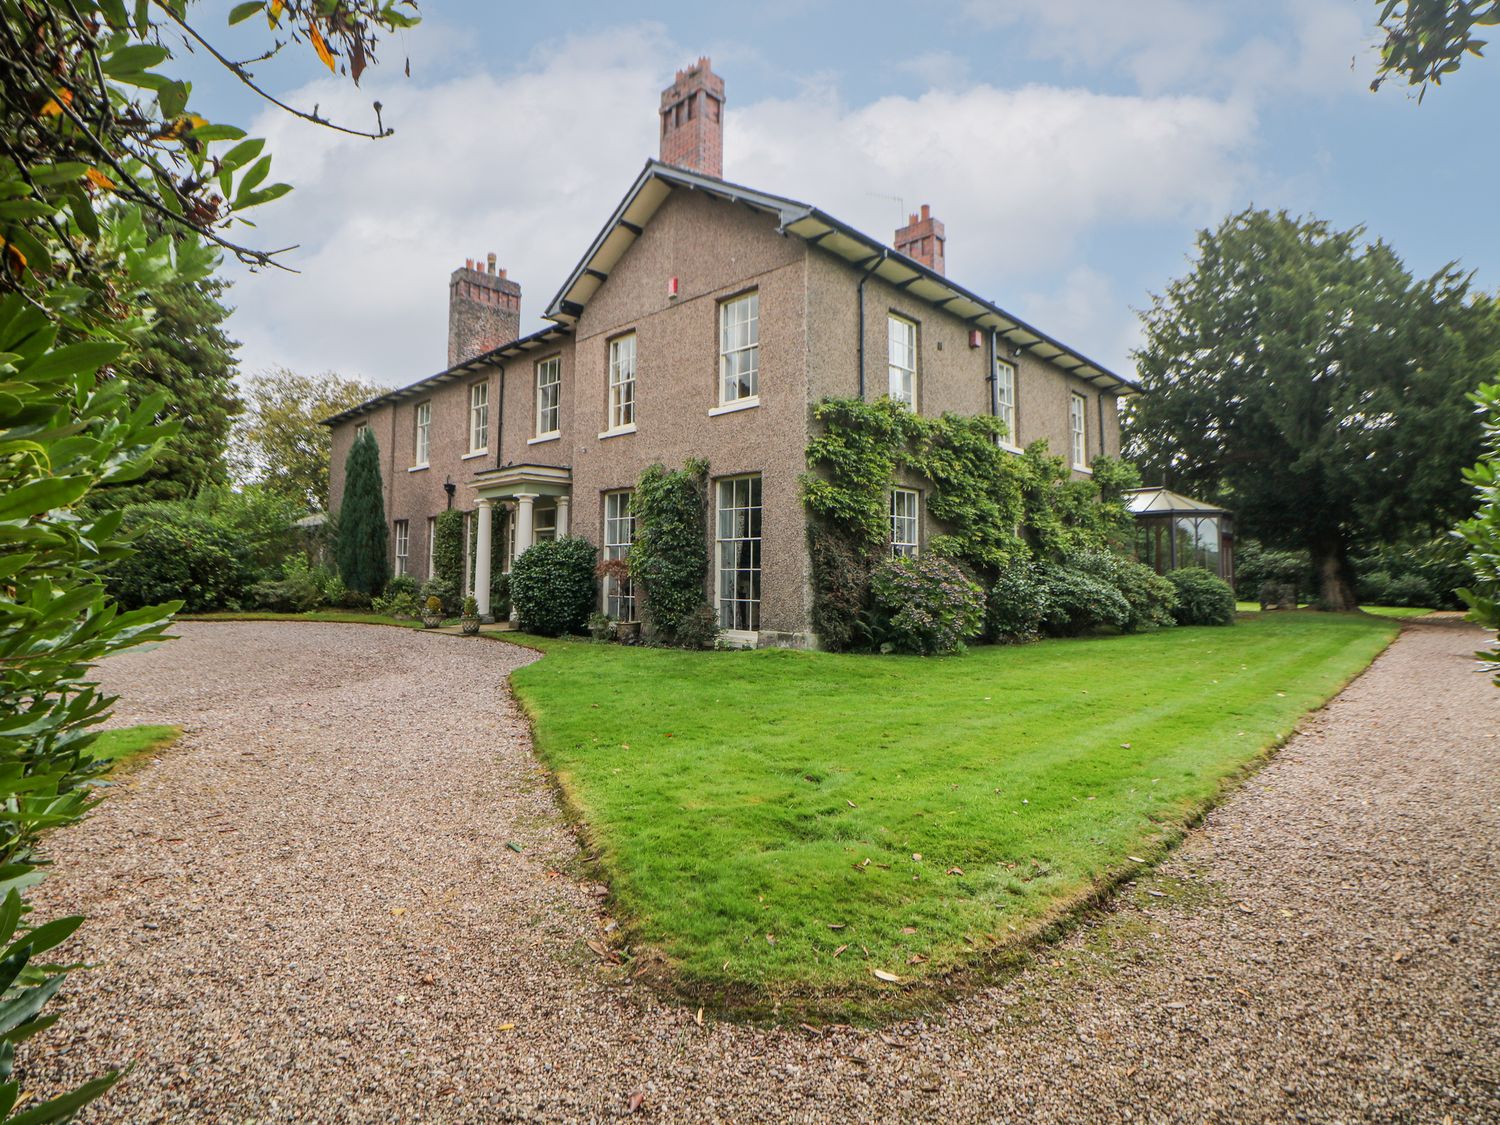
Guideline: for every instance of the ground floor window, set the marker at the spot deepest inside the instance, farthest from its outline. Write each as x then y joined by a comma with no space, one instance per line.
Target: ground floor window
431,546
403,546
619,534
905,503
543,524
738,553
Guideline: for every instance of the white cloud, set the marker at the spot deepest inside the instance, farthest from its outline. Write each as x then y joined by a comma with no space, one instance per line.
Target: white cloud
528,163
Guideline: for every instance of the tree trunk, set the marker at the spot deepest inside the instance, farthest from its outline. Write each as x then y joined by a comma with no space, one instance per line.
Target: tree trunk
1335,576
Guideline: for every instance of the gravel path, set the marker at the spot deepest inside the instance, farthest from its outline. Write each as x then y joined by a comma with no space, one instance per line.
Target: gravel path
308,911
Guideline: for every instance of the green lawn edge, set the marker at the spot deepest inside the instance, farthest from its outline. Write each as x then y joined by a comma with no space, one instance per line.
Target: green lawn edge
125,747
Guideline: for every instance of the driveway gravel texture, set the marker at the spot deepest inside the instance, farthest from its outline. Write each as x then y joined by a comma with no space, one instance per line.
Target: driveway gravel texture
308,910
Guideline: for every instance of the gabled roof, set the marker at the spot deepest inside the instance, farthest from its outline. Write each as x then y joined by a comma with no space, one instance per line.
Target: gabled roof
657,181
1165,502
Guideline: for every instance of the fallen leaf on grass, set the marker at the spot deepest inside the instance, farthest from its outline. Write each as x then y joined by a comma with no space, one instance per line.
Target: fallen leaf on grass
1135,859
698,1019
771,939
1156,894
840,949
915,959
908,929
881,974
837,925
954,871
916,857
850,803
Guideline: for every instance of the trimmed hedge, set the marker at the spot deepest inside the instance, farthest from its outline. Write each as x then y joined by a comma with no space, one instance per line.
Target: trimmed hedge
552,586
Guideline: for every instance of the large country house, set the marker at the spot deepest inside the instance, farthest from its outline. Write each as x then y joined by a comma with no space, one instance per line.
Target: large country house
704,321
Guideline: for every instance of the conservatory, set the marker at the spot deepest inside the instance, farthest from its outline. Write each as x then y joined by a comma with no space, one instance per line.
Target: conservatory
1173,530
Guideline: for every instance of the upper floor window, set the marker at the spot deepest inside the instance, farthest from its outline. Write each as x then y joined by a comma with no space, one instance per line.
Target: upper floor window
622,382
403,546
479,417
548,393
360,430
902,335
739,349
905,504
424,429
1078,430
1005,401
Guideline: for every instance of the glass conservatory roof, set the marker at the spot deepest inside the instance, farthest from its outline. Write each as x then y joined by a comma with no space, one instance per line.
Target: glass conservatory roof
1165,502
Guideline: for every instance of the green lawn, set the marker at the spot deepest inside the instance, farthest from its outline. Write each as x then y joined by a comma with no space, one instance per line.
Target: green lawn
753,812
124,743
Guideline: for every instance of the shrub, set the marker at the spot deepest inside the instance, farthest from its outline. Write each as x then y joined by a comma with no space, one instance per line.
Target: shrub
471,606
1255,565
331,587
297,593
841,590
669,558
699,629
1412,590
354,599
552,586
179,555
600,626
925,605
1374,587
444,591
432,604
399,599
1077,602
448,548
1150,597
1017,603
1202,598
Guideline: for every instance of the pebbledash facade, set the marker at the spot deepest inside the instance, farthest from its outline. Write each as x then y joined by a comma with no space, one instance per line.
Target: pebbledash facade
705,321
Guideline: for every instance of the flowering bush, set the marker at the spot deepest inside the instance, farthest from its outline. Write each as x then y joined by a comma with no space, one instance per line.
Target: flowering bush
925,605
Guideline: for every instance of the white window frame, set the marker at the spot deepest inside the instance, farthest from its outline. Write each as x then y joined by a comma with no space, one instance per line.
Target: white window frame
905,511
423,433
1005,402
548,396
431,546
1078,430
622,372
402,530
739,350
479,417
360,430
901,349
619,535
543,524
738,540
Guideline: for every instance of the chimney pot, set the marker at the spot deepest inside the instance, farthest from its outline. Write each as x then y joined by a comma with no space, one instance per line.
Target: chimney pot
491,261
468,263
692,120
926,213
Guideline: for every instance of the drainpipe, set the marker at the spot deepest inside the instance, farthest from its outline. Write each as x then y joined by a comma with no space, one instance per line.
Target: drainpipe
994,385
864,278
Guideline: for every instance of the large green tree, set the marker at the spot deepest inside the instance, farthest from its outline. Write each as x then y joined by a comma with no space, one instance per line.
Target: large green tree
1482,533
1302,375
186,355
111,190
280,441
362,556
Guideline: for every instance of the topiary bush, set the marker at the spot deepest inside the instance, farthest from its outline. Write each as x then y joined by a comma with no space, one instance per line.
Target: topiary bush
363,532
1016,604
1150,597
925,605
552,586
1202,598
1077,602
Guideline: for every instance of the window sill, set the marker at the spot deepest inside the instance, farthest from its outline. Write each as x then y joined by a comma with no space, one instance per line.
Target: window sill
739,638
554,436
1009,448
730,407
1083,469
418,468
476,453
620,431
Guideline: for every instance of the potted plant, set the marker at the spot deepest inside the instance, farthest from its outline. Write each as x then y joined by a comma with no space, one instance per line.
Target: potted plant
600,626
470,619
432,612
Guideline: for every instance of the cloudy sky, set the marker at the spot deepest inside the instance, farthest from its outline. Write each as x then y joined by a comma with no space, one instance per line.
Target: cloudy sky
1072,147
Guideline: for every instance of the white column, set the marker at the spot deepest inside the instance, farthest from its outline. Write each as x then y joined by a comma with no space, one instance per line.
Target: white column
482,560
524,502
562,516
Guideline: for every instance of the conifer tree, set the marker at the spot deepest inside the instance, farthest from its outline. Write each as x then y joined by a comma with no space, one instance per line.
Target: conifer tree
362,532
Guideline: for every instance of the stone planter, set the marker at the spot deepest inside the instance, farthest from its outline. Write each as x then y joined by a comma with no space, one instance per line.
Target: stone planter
627,632
470,625
431,620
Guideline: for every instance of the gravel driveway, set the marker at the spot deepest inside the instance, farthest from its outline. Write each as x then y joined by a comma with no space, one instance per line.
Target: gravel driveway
309,911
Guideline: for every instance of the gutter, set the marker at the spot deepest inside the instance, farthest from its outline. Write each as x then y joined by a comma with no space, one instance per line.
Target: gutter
861,288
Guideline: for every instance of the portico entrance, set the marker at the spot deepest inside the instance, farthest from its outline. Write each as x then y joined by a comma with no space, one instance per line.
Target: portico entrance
535,502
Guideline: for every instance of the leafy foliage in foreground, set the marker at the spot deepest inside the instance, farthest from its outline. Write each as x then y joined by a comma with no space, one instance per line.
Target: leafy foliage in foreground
1427,39
1482,533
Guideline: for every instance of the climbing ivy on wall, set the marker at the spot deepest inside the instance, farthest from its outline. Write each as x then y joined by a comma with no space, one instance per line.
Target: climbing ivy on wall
989,508
669,558
448,548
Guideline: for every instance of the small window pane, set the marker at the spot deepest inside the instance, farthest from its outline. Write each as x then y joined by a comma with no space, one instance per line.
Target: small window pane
1005,400
904,507
739,349
1076,418
903,360
424,426
622,382
479,417
548,394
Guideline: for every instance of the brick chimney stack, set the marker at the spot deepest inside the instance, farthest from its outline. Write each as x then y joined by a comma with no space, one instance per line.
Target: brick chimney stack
692,121
922,238
484,310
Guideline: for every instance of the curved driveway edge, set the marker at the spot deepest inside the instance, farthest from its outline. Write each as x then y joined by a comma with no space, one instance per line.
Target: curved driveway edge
308,911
